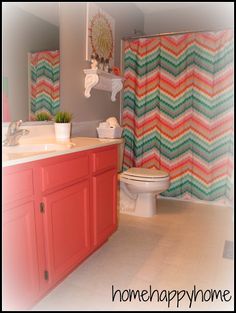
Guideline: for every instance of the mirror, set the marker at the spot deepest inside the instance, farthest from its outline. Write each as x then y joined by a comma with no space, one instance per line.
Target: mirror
28,27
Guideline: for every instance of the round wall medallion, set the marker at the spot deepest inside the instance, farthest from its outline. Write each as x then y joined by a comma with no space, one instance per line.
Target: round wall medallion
101,36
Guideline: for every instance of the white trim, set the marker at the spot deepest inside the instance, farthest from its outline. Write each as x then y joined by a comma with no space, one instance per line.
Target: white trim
29,83
122,74
87,57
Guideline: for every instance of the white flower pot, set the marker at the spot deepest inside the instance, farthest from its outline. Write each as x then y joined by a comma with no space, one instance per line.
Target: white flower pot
62,130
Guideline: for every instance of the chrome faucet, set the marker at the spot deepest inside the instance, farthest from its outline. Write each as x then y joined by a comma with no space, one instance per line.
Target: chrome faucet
14,133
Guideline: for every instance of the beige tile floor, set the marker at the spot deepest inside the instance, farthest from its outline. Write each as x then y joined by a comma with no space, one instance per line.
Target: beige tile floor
180,247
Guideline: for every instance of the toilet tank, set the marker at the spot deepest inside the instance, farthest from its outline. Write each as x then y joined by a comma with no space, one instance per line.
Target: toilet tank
121,146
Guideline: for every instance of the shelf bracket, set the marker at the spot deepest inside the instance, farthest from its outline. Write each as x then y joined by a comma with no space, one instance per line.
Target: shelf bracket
103,81
90,81
116,87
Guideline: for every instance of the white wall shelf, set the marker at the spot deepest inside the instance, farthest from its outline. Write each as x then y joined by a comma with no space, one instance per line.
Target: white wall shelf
103,81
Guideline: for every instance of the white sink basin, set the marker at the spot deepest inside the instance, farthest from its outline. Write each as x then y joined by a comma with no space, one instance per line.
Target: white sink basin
29,148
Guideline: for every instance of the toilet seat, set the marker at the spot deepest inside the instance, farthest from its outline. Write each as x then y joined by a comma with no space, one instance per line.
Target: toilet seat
144,174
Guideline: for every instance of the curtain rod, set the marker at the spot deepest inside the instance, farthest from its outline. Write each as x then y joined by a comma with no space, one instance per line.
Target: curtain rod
174,33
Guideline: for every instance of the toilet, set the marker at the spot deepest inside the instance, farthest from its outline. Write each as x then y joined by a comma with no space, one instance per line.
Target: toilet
139,188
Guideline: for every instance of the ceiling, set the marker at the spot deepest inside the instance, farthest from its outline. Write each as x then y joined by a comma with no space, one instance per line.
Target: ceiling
150,7
48,11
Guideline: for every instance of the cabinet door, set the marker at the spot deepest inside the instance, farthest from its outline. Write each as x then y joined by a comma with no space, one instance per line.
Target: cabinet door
20,265
66,227
104,205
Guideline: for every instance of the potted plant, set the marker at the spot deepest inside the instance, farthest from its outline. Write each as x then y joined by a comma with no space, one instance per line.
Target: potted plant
43,116
63,125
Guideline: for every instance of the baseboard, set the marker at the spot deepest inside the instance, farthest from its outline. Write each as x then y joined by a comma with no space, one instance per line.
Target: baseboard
215,203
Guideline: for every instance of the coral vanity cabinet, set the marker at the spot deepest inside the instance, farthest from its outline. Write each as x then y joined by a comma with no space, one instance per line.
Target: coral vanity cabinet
56,212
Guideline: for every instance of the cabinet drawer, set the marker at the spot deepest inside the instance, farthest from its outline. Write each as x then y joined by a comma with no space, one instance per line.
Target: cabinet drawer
64,172
105,158
17,185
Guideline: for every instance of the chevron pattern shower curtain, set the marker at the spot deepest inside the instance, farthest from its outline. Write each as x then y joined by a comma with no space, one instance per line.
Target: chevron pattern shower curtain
45,75
178,111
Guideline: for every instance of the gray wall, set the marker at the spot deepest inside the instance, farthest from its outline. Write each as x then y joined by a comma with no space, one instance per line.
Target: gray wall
73,49
205,16
23,33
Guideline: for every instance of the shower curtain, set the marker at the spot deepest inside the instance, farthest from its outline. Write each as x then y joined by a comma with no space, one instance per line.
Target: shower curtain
178,111
45,75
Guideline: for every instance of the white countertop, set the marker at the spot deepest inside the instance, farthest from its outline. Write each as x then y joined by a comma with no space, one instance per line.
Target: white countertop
10,157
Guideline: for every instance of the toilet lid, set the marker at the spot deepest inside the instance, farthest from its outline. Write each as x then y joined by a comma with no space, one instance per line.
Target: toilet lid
144,173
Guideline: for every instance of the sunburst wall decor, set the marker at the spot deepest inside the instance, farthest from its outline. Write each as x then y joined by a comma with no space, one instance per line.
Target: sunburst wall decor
100,31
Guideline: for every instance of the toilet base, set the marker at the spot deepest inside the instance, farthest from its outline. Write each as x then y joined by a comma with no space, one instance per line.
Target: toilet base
146,205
